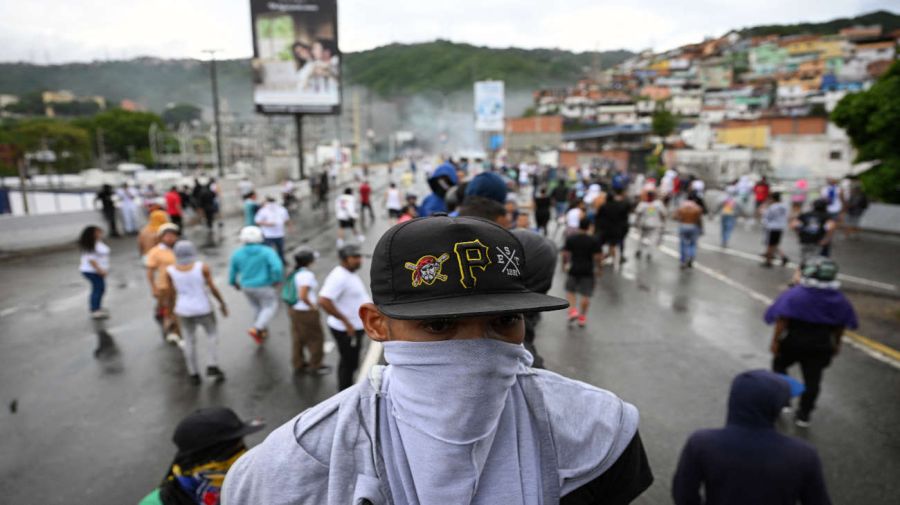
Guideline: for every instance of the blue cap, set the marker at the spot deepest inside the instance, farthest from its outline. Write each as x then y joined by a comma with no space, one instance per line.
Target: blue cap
487,185
797,387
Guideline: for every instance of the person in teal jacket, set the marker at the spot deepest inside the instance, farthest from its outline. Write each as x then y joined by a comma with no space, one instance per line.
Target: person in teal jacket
256,269
209,441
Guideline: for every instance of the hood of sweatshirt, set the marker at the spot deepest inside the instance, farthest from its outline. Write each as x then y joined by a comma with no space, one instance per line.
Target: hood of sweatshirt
757,397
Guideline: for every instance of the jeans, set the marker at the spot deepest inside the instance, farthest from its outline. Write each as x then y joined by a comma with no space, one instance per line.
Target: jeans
189,336
264,301
98,287
276,243
688,235
348,347
727,228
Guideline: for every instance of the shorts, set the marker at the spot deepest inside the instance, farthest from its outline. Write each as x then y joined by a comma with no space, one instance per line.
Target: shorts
394,213
346,223
581,284
611,237
773,238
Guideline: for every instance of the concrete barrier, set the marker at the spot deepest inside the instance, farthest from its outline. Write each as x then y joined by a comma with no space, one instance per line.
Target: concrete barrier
882,218
23,233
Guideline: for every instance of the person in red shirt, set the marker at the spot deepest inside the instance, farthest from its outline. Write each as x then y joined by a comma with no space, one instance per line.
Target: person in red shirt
760,194
174,206
365,201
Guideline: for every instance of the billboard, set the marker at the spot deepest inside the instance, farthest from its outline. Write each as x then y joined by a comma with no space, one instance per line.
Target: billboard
296,62
489,106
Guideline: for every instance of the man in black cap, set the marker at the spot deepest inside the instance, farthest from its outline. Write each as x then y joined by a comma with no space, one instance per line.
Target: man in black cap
458,416
209,441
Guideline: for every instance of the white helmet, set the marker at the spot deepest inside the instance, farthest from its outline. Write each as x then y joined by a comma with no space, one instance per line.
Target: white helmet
251,235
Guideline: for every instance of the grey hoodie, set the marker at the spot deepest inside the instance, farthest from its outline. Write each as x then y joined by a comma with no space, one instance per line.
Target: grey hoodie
330,454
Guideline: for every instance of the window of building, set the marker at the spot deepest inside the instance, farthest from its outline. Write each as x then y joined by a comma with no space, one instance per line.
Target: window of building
835,155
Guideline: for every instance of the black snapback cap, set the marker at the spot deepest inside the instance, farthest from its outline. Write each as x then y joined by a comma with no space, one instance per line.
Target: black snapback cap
442,266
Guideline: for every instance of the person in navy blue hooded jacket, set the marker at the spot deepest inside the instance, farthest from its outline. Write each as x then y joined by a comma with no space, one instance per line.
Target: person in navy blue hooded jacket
441,180
748,461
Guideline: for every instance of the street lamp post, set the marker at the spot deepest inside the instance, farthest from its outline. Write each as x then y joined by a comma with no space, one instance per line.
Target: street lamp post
215,96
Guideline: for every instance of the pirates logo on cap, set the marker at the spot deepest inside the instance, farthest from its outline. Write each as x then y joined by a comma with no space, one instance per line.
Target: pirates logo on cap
471,255
427,270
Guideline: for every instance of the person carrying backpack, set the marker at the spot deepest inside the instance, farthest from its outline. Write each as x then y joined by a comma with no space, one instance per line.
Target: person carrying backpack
299,293
814,229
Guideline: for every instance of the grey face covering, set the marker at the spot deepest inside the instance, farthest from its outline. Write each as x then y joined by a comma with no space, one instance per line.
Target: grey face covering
456,427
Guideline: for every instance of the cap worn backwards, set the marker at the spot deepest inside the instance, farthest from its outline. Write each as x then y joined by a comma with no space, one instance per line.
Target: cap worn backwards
443,266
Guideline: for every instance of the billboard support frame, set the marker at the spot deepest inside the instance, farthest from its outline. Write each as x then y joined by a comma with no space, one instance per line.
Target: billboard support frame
298,120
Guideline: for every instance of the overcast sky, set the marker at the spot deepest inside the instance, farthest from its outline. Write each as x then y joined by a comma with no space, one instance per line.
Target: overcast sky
56,31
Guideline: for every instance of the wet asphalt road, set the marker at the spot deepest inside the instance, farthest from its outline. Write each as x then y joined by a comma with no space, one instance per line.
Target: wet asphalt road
89,430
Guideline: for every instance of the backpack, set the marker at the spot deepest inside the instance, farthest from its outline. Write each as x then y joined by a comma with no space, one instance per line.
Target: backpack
289,290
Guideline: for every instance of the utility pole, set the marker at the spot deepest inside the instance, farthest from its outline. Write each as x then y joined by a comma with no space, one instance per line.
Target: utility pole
215,96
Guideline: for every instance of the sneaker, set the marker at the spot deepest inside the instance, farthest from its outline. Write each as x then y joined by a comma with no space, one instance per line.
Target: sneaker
320,371
582,320
785,260
172,337
802,419
256,335
690,263
360,238
99,314
194,379
573,314
216,373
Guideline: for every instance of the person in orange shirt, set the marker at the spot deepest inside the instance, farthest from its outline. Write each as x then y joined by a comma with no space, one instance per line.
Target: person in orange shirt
158,258
149,235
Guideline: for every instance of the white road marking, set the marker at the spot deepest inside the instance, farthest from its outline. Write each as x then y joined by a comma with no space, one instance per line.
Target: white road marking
766,300
9,311
757,258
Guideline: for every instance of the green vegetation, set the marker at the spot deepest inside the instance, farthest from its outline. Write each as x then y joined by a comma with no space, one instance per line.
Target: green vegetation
872,120
888,21
445,67
663,123
181,113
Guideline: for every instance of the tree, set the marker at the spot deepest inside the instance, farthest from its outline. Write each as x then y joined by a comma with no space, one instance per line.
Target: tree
872,121
664,123
124,132
29,104
70,144
181,113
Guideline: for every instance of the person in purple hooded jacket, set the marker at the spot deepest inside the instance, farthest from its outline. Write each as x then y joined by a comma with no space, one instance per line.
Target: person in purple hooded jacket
809,320
748,462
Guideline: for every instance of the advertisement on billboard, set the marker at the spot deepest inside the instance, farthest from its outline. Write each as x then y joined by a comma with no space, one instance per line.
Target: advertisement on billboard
296,61
489,105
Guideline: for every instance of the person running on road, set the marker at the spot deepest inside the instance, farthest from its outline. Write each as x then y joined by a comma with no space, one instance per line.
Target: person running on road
149,235
94,267
809,320
256,269
542,204
365,202
306,327
108,207
690,216
574,216
341,296
748,462
650,221
272,219
728,210
815,229
159,258
775,220
582,261
393,202
250,209
458,415
611,225
175,207
190,280
346,215
209,441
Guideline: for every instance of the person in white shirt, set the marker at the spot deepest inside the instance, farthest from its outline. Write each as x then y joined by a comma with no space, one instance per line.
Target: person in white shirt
698,187
272,219
94,267
346,214
128,199
650,221
775,220
341,296
306,328
574,216
190,279
393,201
